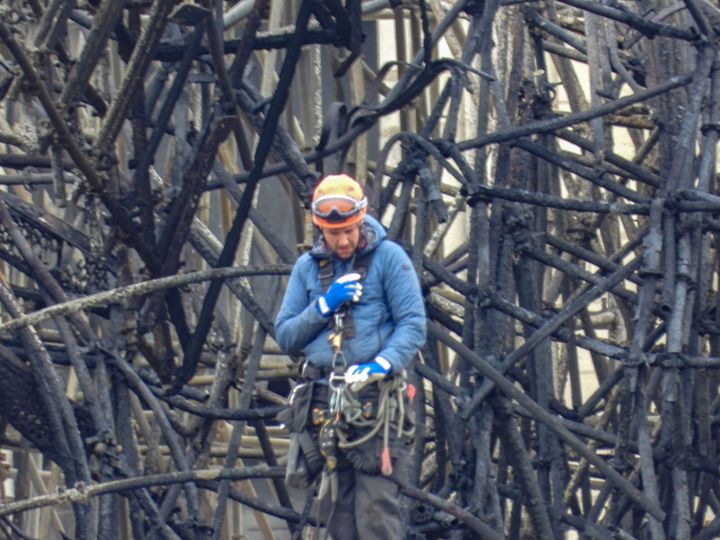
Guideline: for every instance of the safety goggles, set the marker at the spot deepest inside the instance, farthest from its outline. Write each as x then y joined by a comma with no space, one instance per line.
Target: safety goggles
336,208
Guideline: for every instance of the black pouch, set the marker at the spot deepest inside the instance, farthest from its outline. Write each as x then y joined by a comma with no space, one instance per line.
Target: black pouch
296,415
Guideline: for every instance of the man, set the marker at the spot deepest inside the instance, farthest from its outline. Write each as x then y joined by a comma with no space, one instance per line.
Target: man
370,280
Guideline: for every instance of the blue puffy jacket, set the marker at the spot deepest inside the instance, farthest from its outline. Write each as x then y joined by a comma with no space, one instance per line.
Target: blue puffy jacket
389,319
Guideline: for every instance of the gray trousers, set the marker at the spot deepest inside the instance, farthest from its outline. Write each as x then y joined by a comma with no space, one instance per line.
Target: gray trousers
368,506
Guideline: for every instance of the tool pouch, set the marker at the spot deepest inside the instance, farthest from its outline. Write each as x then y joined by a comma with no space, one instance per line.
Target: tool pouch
303,460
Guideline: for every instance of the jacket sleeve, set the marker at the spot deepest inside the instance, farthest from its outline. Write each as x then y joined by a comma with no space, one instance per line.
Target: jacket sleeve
406,306
298,322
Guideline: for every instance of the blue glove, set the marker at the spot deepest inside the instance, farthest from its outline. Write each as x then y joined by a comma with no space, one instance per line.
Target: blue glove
360,375
346,288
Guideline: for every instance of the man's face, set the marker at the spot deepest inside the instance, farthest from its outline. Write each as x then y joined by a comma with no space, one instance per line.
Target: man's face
343,242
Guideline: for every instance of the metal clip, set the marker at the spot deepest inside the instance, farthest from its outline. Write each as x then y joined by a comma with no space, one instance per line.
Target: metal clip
335,339
336,336
336,382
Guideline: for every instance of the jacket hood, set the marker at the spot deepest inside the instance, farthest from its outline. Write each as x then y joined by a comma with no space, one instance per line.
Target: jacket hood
371,235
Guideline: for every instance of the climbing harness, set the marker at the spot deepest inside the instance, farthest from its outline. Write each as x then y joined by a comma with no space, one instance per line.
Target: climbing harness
347,413
348,419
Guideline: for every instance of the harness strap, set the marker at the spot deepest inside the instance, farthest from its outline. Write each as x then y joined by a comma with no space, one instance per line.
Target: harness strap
309,502
329,477
328,484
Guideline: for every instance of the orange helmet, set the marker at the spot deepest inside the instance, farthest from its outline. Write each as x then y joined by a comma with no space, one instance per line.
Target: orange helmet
338,202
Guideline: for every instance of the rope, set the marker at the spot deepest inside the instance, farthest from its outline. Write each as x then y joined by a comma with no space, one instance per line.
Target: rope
391,411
